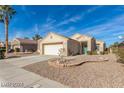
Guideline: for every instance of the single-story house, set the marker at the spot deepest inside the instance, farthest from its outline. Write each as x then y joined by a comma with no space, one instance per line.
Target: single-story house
24,45
87,43
2,44
52,43
76,44
100,45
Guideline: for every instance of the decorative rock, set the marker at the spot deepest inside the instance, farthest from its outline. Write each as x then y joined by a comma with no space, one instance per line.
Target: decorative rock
56,63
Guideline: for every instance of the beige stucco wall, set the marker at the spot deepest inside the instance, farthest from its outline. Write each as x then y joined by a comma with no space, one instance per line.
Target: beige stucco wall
83,38
1,44
73,47
15,44
101,45
93,43
89,44
38,46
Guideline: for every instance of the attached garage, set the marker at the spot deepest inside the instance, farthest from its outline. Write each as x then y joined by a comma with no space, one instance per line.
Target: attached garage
52,49
53,42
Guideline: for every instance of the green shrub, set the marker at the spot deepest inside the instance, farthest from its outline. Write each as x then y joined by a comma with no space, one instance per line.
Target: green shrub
17,50
102,53
106,52
2,53
89,52
114,50
94,52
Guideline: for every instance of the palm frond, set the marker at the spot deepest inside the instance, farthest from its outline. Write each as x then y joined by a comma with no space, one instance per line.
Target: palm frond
2,21
1,18
7,10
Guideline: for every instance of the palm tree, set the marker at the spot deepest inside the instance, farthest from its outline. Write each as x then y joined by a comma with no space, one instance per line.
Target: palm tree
6,13
26,37
36,37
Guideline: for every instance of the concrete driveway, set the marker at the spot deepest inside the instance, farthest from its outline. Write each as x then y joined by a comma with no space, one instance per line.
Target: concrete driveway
23,61
12,75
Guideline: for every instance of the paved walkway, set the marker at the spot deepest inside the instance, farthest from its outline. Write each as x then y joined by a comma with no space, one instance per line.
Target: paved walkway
11,75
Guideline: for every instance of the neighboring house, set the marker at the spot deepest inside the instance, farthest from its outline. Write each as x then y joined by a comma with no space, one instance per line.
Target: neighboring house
87,43
100,45
2,44
53,42
24,45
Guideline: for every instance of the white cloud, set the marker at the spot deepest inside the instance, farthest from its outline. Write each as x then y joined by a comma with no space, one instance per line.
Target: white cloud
113,25
121,37
78,17
18,34
93,9
67,30
52,25
118,33
72,19
21,33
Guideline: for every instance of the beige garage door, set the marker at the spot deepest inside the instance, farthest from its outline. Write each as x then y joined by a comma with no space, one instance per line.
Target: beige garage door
52,49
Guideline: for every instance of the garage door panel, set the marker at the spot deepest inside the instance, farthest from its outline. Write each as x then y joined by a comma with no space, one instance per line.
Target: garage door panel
52,49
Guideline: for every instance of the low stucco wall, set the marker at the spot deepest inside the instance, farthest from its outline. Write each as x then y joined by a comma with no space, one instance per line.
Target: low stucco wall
93,43
38,45
102,47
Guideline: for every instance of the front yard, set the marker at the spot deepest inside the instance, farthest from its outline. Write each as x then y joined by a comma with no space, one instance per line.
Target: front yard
91,74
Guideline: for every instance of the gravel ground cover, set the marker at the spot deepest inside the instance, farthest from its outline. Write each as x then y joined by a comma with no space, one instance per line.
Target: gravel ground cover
107,74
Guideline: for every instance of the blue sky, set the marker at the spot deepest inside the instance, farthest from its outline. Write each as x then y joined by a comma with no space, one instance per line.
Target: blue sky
102,22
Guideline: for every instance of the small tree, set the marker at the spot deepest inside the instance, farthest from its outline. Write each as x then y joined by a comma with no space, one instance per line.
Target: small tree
36,37
61,54
26,37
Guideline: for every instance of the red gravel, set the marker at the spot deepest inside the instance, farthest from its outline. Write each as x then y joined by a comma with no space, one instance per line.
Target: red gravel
92,74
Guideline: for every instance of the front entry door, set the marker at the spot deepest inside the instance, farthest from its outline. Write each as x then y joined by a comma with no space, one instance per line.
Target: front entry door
84,47
85,50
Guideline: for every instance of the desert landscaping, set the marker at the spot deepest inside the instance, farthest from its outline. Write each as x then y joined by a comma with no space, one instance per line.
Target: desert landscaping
91,74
